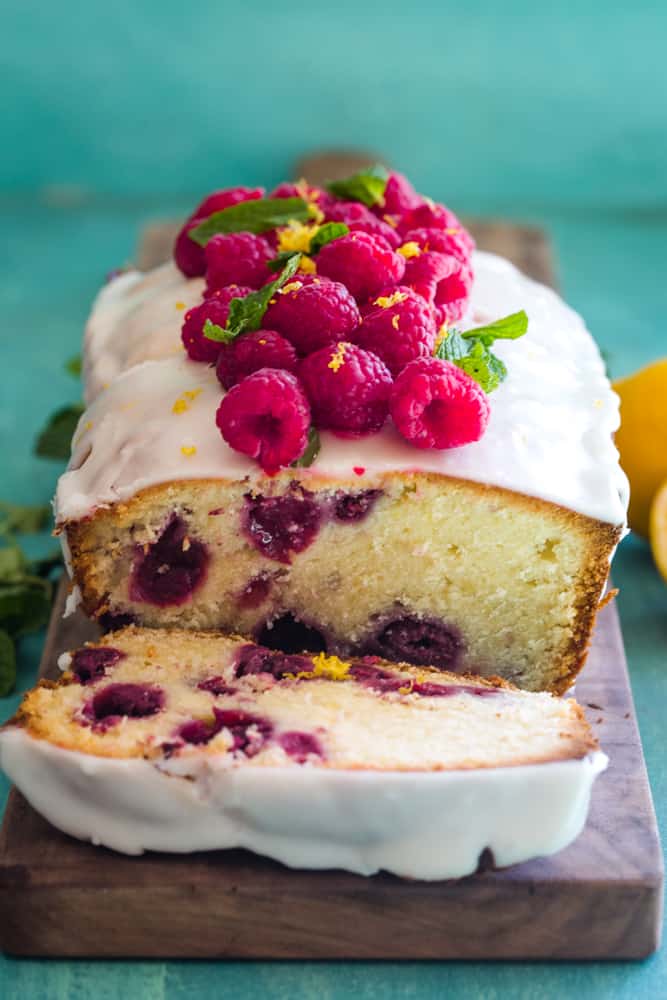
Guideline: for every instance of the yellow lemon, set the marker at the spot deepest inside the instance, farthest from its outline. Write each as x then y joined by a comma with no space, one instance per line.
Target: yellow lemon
658,529
642,438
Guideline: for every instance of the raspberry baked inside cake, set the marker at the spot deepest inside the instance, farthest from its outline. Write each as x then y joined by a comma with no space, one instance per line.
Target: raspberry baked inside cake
349,748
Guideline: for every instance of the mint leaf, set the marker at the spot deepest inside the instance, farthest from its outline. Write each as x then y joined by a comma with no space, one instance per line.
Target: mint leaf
7,664
325,234
13,564
255,216
311,451
73,366
281,258
469,349
23,519
368,186
24,604
508,328
213,331
55,438
247,313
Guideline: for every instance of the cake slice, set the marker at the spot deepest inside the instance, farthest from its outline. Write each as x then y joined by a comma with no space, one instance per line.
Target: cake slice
178,741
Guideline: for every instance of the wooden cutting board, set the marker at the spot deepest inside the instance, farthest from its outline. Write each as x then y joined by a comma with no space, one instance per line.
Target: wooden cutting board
600,898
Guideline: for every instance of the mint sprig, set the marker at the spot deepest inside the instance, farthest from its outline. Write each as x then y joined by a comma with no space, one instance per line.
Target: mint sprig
23,518
55,438
327,233
311,450
247,313
470,349
255,216
368,186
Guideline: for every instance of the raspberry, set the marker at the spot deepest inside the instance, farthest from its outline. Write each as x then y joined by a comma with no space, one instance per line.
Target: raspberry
312,312
431,215
236,258
189,256
364,262
357,217
442,280
266,416
252,351
215,308
89,664
399,196
398,327
348,389
448,241
302,190
436,405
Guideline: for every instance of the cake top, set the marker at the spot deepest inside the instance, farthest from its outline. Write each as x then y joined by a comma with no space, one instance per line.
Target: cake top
549,433
141,693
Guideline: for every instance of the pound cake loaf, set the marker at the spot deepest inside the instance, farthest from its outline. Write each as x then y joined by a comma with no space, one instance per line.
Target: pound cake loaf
357,456
179,741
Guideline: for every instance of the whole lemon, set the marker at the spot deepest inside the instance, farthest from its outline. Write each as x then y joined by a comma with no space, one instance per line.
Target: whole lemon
642,438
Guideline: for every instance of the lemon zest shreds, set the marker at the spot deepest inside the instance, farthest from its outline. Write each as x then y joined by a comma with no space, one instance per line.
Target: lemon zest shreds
443,333
331,667
395,321
452,231
307,265
185,400
391,220
387,301
291,286
180,305
338,357
188,450
296,236
409,249
315,212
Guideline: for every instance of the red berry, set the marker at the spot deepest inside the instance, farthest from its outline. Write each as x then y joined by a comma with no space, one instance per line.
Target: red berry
312,312
455,242
302,190
398,326
236,258
217,200
434,404
357,217
443,281
215,308
266,416
399,196
252,351
363,262
348,389
188,255
432,215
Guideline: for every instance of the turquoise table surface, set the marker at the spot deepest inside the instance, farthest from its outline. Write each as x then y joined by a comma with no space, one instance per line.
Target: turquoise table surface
116,113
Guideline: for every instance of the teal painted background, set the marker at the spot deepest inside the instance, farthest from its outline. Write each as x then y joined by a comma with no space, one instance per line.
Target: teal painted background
114,113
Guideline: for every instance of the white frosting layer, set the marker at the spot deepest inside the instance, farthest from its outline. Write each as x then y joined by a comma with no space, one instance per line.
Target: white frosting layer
549,435
419,825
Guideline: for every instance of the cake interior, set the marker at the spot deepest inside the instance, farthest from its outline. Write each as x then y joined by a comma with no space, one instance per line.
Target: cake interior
154,694
412,567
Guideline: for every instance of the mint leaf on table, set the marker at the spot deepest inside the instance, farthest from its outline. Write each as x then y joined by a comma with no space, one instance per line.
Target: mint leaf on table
311,451
247,313
73,366
470,349
255,216
7,664
23,519
55,438
368,186
326,234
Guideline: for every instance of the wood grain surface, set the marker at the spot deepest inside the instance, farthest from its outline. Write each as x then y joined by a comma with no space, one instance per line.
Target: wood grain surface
600,898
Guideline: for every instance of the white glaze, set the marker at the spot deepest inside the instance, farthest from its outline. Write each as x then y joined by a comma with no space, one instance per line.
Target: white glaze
419,825
549,436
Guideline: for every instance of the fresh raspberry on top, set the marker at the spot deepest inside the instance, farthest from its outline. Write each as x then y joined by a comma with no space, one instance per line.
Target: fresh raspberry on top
252,351
432,215
348,389
454,242
312,311
236,258
302,190
357,217
266,416
436,405
398,326
363,262
188,255
443,281
399,196
216,309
